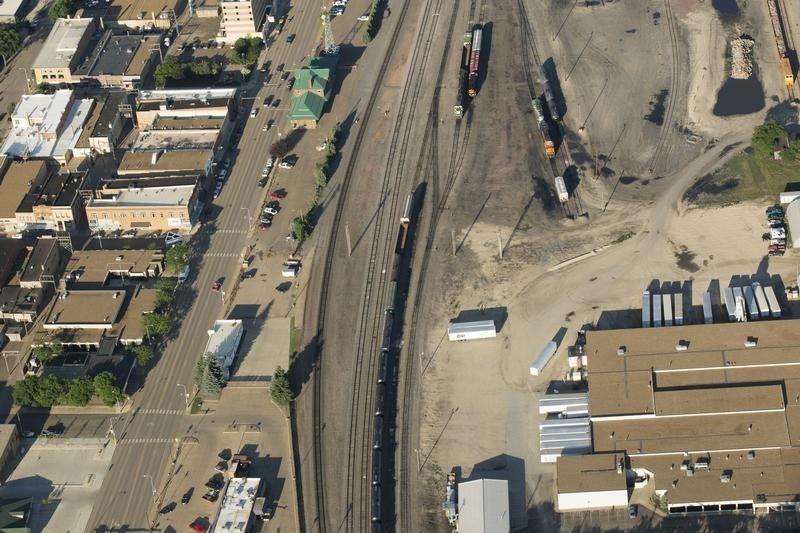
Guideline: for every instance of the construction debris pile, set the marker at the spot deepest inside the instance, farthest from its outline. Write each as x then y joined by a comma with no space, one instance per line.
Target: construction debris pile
742,58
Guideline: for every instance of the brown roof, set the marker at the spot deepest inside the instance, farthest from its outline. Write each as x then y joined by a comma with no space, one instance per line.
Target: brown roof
588,473
177,160
94,265
15,184
96,308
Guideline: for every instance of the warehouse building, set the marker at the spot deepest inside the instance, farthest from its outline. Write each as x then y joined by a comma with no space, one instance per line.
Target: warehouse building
706,417
483,506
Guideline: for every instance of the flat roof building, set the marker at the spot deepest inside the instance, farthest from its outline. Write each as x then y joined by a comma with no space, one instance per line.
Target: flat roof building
65,47
120,61
97,268
139,14
154,208
47,125
243,18
224,339
483,506
708,414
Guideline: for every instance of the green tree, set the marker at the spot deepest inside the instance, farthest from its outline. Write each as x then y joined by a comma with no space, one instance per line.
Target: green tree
10,42
10,107
245,50
177,258
26,391
48,350
106,388
204,67
165,292
279,148
208,374
60,9
280,389
79,391
45,88
169,69
51,391
144,354
766,136
254,48
155,324
302,228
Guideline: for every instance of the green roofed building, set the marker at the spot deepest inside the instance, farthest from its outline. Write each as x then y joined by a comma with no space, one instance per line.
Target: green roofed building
14,515
312,88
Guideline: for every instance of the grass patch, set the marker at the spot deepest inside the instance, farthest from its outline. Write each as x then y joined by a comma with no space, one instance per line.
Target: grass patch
295,338
197,404
622,238
743,178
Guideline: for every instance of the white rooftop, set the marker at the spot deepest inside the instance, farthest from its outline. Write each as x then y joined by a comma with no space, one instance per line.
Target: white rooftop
151,196
62,43
483,506
186,94
37,126
237,505
175,140
223,341
9,8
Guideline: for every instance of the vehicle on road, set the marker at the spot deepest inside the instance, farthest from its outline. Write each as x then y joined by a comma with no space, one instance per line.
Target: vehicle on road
276,103
216,286
168,508
279,68
284,76
286,164
265,127
632,510
172,239
270,211
187,496
52,432
270,122
290,38
28,434
268,100
290,83
270,161
253,112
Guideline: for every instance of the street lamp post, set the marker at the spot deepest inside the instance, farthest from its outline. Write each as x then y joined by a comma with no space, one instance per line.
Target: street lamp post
27,79
222,293
249,218
111,429
152,485
185,393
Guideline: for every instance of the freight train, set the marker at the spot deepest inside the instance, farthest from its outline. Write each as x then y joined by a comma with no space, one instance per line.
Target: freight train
475,61
384,358
780,40
463,73
544,129
548,95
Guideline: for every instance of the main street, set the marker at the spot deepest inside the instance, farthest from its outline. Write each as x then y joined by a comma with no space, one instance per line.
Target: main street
127,495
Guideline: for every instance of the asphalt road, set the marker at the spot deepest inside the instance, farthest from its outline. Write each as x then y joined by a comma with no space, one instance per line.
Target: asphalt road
146,436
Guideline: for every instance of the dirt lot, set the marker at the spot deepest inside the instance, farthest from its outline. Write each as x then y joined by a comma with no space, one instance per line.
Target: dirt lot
477,411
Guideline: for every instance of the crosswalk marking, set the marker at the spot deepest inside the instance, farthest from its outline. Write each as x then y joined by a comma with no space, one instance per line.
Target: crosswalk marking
221,254
145,440
160,411
238,231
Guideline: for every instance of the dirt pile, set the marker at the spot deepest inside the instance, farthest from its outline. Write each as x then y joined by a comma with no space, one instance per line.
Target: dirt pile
742,58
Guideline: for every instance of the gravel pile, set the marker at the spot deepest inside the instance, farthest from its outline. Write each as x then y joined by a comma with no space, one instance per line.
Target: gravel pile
742,58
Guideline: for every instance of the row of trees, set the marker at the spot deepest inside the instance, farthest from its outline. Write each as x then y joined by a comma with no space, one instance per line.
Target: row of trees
35,391
60,9
303,226
10,41
375,14
173,70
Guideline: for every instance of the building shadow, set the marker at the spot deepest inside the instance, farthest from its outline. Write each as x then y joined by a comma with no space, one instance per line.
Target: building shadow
498,315
512,470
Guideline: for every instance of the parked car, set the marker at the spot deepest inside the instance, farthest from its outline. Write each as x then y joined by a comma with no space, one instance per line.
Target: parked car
270,161
197,527
266,219
286,164
363,18
270,211
217,189
172,238
28,434
262,182
215,483
277,195
221,467
216,286
212,495
290,83
168,508
632,511
187,496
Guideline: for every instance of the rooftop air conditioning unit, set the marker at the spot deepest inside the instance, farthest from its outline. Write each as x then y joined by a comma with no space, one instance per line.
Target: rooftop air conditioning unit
751,342
621,350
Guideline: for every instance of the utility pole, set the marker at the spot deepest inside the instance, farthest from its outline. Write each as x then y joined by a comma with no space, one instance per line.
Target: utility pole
347,236
152,485
499,244
111,430
185,393
453,240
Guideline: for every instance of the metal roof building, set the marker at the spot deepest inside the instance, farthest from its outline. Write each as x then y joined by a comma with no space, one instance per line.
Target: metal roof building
707,415
483,506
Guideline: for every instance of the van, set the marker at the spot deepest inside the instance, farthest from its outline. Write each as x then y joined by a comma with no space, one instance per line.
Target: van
172,238
290,270
183,275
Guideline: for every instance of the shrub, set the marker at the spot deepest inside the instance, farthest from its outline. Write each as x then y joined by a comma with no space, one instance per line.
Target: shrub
280,388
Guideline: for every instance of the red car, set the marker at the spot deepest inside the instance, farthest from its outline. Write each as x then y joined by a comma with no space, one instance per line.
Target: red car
277,195
216,286
197,527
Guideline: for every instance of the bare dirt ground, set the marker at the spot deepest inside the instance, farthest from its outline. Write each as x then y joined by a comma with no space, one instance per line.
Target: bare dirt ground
641,78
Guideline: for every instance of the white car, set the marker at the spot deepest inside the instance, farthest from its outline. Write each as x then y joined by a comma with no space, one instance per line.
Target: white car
363,18
270,211
253,112
270,162
286,164
172,238
217,189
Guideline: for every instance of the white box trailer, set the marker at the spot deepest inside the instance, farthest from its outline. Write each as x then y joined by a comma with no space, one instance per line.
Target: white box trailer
774,306
543,358
752,306
469,331
666,300
561,190
657,311
708,311
678,313
646,322
761,299
730,303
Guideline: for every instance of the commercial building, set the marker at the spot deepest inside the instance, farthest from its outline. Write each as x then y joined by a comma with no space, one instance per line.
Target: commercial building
142,14
224,339
185,103
10,11
236,511
15,515
110,120
64,49
120,61
44,264
151,209
101,268
483,506
35,197
312,88
707,417
243,18
11,258
9,445
47,126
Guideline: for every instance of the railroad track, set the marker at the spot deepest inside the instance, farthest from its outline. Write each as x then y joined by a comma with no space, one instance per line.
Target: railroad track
666,128
788,37
359,481
319,484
